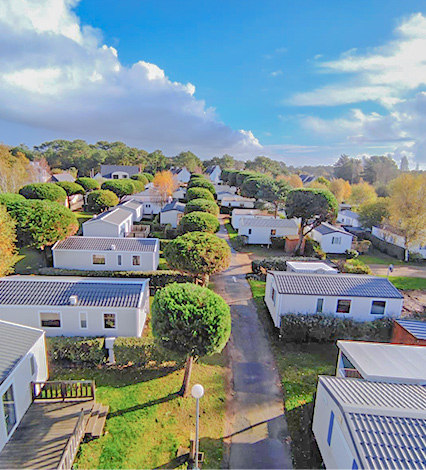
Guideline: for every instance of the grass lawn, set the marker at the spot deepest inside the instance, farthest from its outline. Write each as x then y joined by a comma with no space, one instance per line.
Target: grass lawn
147,421
299,366
83,216
408,283
30,260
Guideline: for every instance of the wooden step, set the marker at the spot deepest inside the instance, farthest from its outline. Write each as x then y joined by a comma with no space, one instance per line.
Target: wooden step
100,422
92,419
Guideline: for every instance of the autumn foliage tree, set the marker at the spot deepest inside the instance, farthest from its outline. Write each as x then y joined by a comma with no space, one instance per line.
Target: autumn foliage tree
362,193
341,189
7,242
165,184
14,170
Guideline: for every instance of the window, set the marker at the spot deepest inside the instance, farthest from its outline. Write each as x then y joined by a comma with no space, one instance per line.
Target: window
378,307
83,320
148,206
336,241
32,365
320,305
50,320
110,321
136,260
273,232
249,231
119,260
115,177
98,259
343,306
330,428
273,295
9,409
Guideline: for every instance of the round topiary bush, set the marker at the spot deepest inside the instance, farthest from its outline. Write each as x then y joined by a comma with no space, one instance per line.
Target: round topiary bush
89,184
140,177
49,191
9,198
120,188
101,200
199,222
202,205
149,177
199,193
201,183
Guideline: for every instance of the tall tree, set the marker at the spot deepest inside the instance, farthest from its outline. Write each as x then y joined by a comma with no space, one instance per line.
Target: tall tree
362,193
294,181
404,164
274,192
190,320
14,170
188,160
407,208
165,184
379,170
313,207
341,189
374,213
156,161
7,242
267,165
349,169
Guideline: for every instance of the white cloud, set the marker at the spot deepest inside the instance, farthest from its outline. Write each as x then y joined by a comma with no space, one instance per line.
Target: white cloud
276,73
57,75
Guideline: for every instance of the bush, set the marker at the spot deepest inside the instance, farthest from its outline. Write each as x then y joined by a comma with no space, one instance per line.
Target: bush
199,222
278,242
77,350
157,279
149,177
202,205
140,177
355,266
171,233
142,352
201,183
8,198
199,193
319,328
101,200
88,184
49,191
363,246
313,248
120,188
351,254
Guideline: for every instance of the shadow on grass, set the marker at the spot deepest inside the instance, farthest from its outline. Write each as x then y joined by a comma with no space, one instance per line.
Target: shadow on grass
148,404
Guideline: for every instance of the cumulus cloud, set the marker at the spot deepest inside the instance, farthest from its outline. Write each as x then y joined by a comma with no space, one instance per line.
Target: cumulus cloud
58,76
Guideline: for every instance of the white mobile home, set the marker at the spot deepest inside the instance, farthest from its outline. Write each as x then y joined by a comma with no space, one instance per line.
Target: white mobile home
23,360
118,172
310,267
150,200
225,188
172,213
390,236
114,223
260,230
354,296
332,239
181,174
347,217
235,200
238,214
74,306
107,254
133,206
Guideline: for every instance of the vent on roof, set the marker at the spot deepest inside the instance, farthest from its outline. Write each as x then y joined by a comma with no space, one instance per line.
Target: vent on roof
73,299
113,247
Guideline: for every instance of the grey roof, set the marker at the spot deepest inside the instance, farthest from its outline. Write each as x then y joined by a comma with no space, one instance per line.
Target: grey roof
107,170
387,422
210,169
131,203
173,206
114,216
346,285
15,342
63,177
349,213
414,327
267,222
105,244
48,291
237,197
307,178
325,229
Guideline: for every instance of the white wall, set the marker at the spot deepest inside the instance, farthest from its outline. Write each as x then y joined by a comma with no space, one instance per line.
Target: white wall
101,228
184,176
171,217
273,307
262,235
129,321
20,378
136,213
340,453
398,240
326,241
119,175
73,259
347,220
151,208
238,203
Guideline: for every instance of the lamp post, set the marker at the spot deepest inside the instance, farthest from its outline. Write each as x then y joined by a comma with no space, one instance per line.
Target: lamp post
197,392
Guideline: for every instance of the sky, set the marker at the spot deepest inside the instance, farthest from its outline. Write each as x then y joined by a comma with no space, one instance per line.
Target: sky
302,81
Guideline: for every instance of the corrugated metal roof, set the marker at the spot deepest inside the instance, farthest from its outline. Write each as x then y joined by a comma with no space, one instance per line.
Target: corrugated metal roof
416,328
325,229
15,342
105,244
249,212
132,204
346,285
384,361
22,290
268,222
114,216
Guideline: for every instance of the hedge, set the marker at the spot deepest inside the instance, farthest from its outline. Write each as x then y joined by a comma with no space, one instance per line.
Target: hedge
199,193
202,205
319,328
157,279
77,350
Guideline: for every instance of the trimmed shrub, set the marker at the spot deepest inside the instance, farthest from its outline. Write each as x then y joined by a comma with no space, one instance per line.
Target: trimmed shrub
49,191
157,279
355,266
77,350
199,222
88,184
201,183
319,328
148,176
140,177
197,175
202,205
101,200
120,188
199,193
313,248
278,243
10,198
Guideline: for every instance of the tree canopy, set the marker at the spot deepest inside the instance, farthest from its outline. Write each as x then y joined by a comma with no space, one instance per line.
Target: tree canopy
362,193
140,177
199,193
101,199
188,160
199,222
202,205
373,213
7,242
8,198
274,192
120,188
14,169
379,169
165,184
349,169
88,184
48,191
71,189
201,182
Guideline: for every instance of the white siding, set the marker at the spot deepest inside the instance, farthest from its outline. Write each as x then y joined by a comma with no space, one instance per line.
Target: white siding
398,240
171,217
20,378
238,203
101,228
274,306
328,241
262,235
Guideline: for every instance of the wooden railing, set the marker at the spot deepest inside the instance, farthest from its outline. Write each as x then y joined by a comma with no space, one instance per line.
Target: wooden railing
64,390
350,373
73,444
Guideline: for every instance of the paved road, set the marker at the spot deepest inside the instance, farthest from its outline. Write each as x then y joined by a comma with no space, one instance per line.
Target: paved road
256,423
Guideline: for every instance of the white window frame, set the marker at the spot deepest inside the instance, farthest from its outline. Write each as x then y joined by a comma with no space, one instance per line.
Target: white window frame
33,364
87,320
55,328
99,264
15,408
103,321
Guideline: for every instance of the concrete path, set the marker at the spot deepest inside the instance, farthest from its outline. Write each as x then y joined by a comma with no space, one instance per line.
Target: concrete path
257,427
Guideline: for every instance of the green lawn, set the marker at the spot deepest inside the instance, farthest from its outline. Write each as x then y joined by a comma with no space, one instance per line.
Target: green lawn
29,261
299,366
83,216
408,283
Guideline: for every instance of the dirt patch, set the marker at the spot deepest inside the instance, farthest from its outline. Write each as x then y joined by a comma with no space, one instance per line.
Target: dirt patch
414,303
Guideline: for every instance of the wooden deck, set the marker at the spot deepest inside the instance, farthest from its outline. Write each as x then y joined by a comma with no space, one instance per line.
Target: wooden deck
43,434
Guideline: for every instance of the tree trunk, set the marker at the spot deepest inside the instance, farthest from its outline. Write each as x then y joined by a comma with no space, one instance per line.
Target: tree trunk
184,390
276,210
299,243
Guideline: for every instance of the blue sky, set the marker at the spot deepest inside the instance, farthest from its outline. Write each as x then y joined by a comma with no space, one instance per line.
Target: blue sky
294,73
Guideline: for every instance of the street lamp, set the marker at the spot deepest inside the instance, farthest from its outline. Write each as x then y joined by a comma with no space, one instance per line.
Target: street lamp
197,392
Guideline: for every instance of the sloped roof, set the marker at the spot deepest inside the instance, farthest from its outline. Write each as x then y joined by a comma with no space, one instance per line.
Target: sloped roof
114,216
105,244
326,228
415,327
56,291
15,343
349,213
211,168
237,211
267,222
106,170
63,177
345,285
173,206
236,197
130,204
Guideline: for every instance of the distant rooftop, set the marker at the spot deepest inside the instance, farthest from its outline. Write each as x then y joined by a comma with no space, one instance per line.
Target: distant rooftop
114,216
311,265
237,211
106,244
131,204
173,206
60,177
107,170
326,228
349,213
268,222
236,197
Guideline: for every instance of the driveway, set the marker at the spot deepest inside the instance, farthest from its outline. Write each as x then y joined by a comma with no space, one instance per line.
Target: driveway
256,425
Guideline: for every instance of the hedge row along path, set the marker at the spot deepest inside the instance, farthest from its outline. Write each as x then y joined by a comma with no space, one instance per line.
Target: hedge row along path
256,428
